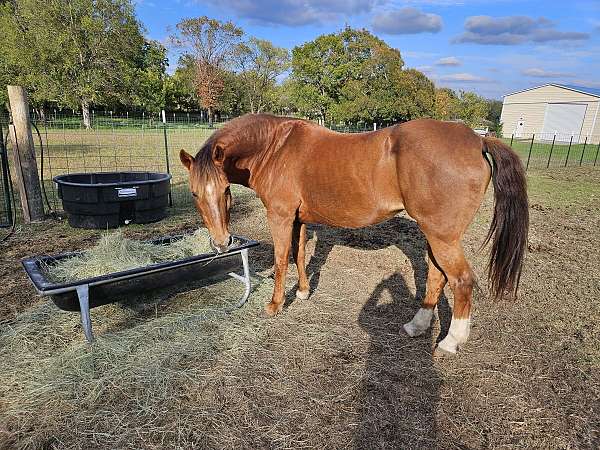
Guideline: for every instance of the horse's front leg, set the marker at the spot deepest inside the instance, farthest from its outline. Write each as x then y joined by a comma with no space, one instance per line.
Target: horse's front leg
281,230
299,253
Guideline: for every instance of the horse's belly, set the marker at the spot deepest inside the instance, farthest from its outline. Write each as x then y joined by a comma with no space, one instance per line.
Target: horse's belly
347,214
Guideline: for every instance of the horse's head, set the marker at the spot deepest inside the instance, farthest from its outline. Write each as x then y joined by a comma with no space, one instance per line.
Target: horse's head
210,188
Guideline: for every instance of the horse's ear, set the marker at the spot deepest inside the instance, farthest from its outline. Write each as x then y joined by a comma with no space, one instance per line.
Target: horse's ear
186,159
218,154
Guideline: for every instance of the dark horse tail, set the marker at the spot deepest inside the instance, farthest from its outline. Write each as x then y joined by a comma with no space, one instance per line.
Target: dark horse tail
510,224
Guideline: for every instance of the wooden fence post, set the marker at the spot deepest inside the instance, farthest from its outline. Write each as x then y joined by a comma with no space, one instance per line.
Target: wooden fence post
26,170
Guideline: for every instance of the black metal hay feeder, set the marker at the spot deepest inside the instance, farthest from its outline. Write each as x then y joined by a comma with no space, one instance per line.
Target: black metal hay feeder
109,199
84,294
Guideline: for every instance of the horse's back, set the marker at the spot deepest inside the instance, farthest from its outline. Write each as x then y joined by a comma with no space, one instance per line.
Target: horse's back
353,180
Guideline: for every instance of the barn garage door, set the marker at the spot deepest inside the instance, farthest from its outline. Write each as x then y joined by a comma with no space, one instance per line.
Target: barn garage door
564,120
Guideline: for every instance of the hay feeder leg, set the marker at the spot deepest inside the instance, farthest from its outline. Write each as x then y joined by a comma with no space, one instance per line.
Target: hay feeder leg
245,279
83,294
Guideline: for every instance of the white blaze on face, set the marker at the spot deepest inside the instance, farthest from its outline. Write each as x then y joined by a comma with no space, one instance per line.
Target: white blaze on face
420,323
457,335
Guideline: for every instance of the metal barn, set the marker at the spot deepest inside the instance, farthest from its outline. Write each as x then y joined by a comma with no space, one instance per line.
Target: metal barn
565,111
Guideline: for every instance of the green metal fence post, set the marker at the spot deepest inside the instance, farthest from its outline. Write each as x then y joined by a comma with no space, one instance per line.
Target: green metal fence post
530,147
583,151
551,148
597,150
569,151
512,136
164,120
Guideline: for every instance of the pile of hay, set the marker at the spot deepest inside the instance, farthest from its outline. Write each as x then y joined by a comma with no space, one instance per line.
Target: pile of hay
138,385
114,253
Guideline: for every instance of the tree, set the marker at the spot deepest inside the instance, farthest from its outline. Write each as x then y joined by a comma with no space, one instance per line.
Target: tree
322,69
180,93
446,104
353,76
150,78
493,116
260,63
473,109
282,98
212,45
415,96
372,94
72,52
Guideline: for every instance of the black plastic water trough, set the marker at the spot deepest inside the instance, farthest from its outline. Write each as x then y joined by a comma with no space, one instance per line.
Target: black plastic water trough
84,294
110,199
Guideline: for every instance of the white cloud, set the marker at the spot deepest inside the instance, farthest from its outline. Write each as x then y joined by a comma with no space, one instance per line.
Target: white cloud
294,12
513,30
541,73
448,61
462,77
406,21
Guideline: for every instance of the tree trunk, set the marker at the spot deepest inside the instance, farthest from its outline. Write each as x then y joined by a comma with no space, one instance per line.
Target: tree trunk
210,116
85,112
42,112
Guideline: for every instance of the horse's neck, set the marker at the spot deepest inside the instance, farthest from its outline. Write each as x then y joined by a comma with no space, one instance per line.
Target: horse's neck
248,155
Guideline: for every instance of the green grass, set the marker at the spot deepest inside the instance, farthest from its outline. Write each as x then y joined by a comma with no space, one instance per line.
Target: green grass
544,154
563,187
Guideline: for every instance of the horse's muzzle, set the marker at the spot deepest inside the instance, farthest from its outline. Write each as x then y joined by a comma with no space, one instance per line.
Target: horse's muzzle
219,248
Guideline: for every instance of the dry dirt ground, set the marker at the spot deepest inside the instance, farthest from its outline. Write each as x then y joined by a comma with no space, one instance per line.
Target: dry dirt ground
332,371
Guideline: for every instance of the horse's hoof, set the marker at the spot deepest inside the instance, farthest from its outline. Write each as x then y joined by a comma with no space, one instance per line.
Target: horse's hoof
302,295
411,331
443,353
272,309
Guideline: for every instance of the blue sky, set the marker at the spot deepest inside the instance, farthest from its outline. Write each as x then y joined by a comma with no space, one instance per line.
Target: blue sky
490,47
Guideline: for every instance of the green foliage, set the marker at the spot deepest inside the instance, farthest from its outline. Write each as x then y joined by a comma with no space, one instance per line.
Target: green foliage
415,95
336,74
179,89
77,53
446,104
493,116
260,63
72,52
353,76
473,109
150,78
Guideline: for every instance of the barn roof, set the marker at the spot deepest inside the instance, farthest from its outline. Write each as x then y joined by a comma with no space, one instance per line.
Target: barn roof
584,90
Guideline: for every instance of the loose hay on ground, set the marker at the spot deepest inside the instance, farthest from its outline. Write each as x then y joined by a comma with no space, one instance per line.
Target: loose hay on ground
133,381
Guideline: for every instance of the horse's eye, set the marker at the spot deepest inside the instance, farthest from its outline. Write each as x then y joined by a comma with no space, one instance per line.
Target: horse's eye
194,195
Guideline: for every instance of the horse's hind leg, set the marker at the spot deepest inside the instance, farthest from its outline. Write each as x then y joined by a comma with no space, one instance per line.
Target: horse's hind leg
436,280
451,260
299,254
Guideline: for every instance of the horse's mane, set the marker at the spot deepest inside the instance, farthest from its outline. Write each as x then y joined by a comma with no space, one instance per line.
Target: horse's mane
245,127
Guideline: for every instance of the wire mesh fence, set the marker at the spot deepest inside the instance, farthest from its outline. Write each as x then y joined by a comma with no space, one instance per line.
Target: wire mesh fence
546,150
141,142
6,213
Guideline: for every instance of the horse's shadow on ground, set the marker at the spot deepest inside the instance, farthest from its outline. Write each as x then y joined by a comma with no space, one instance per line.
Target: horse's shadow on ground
400,232
400,386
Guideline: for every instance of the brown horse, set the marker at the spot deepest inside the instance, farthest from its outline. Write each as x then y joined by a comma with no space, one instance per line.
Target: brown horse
303,173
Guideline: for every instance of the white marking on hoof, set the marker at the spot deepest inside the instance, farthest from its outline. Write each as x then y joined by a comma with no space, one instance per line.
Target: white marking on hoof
440,352
302,295
457,335
420,323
